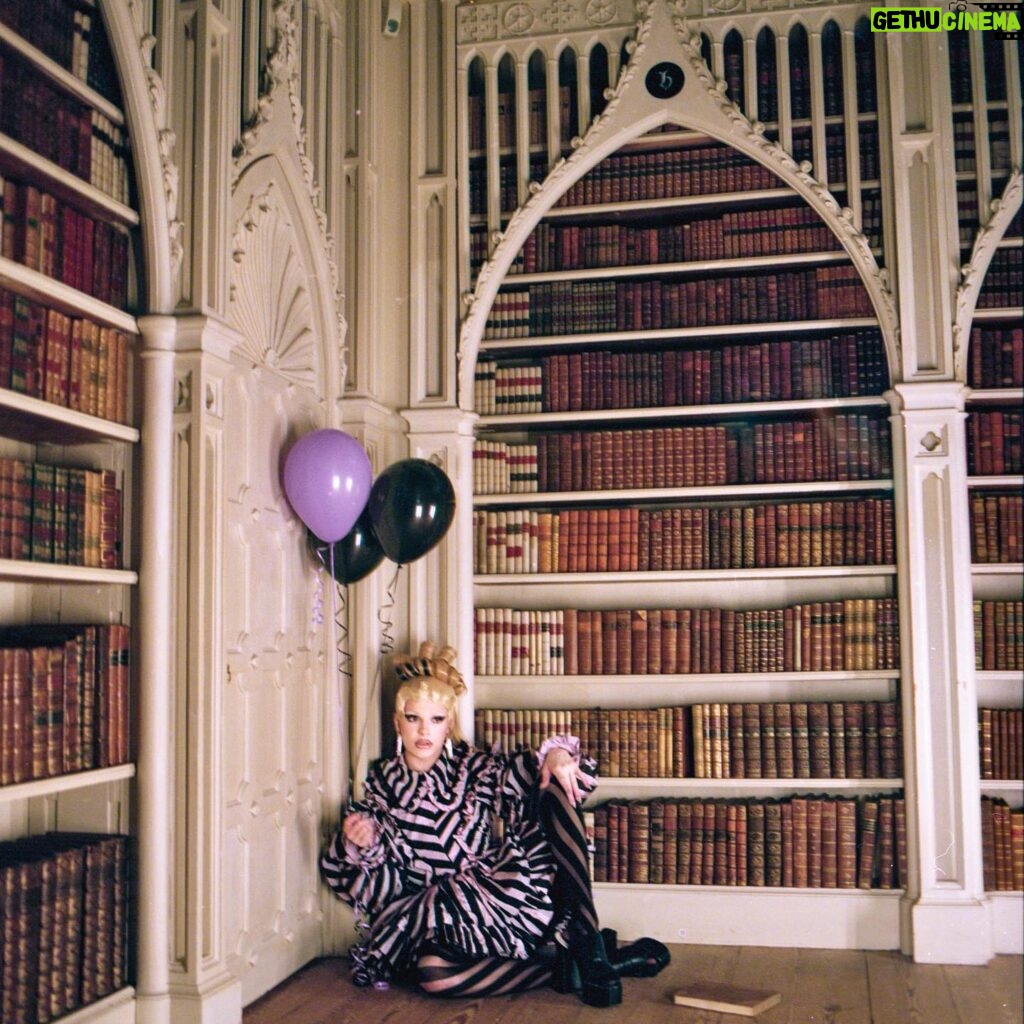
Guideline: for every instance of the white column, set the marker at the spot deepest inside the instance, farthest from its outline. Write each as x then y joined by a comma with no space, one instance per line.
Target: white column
946,918
203,990
441,584
156,666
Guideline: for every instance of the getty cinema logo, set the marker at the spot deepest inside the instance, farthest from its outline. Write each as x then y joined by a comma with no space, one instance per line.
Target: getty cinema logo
1000,18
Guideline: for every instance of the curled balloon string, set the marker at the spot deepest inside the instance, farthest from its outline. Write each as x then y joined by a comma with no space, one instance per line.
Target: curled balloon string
317,614
387,645
339,617
387,641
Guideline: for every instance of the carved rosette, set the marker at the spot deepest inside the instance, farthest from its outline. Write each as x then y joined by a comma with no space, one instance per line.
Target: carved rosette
489,22
269,305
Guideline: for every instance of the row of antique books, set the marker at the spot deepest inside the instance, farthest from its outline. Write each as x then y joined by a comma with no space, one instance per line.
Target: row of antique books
830,366
62,514
47,234
868,156
62,129
69,361
64,899
778,231
997,525
1000,737
995,357
964,150
64,699
998,635
853,739
665,173
994,442
511,190
63,31
655,303
853,634
967,214
1004,280
841,531
1002,845
841,446
506,118
835,167
802,842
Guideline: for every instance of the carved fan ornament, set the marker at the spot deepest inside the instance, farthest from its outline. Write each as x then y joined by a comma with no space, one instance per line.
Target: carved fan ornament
270,306
736,128
281,83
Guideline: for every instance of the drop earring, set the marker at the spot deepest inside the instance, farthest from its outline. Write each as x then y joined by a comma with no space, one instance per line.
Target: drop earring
399,746
448,748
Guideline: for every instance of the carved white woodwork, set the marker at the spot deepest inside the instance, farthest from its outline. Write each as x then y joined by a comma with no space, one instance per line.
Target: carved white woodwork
153,140
277,129
972,273
663,33
269,303
272,718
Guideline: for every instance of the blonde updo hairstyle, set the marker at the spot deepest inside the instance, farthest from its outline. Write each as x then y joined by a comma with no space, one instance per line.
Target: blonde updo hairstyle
433,677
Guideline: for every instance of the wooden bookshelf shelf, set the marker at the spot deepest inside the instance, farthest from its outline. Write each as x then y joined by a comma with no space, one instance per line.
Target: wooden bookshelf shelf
66,783
570,341
570,692
729,915
526,388
18,160
34,285
617,788
48,572
22,416
700,493
53,71
671,414
682,576
692,267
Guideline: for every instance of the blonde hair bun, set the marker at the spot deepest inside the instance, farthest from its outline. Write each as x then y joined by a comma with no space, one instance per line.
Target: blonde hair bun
439,666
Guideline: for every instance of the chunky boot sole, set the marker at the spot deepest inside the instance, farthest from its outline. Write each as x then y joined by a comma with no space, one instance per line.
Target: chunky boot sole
601,992
644,958
594,987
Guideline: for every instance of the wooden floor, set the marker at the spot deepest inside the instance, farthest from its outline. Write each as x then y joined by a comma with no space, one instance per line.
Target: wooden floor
817,987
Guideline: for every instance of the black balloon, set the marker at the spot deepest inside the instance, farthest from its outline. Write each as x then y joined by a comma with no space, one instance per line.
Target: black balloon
356,555
411,507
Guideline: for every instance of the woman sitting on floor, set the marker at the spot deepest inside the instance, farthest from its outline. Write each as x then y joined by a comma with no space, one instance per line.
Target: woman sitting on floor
470,868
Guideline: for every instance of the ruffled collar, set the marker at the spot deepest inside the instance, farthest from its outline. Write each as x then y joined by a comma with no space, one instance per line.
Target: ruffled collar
443,784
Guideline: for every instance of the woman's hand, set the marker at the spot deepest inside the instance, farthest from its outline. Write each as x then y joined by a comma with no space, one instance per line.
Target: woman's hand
359,829
561,765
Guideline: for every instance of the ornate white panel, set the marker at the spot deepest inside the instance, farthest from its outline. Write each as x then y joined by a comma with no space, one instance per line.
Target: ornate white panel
273,731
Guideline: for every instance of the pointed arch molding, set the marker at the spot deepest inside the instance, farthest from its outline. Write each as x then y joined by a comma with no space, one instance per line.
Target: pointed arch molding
153,143
972,273
276,131
269,304
664,34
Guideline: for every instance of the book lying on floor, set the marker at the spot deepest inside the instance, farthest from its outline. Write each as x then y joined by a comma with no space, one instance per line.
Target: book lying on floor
710,995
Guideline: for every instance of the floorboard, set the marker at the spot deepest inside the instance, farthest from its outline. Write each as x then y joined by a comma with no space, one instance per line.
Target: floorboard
817,987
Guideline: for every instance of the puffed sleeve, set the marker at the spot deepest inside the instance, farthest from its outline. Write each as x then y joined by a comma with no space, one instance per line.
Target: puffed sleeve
370,877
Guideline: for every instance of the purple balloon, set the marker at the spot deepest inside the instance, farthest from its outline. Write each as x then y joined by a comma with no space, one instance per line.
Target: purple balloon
327,478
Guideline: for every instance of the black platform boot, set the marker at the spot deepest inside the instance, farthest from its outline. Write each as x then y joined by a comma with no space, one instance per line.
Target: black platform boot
583,968
641,959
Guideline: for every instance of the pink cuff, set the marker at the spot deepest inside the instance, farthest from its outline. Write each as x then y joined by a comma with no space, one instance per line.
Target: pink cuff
571,744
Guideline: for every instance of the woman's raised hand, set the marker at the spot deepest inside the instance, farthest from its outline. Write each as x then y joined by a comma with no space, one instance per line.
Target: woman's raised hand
359,829
561,765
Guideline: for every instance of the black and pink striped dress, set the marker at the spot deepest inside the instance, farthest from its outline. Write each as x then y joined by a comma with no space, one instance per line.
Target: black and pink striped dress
459,860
